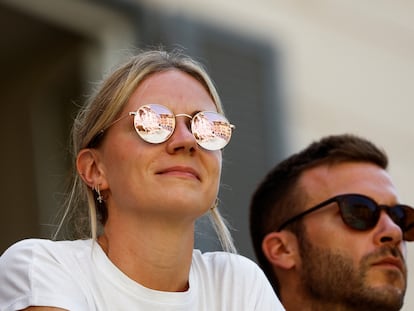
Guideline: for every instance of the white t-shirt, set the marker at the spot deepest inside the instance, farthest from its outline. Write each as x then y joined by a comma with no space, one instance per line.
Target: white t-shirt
78,276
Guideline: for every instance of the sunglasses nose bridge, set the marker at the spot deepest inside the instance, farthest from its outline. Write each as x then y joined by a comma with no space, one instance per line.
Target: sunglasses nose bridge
188,125
184,125
184,115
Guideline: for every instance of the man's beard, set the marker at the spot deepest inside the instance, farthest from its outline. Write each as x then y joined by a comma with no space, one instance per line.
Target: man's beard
330,278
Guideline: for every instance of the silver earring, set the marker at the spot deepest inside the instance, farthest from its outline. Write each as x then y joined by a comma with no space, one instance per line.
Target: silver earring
99,197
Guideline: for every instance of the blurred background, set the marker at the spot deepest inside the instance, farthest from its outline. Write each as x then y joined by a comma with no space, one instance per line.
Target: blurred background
288,71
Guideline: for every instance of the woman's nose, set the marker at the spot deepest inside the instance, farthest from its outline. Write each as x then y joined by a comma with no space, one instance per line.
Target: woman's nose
182,138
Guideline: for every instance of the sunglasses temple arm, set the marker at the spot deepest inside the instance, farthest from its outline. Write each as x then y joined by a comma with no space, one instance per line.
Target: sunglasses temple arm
298,216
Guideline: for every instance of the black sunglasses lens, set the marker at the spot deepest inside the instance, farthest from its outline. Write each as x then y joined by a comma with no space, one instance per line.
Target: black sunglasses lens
403,216
397,214
409,224
359,213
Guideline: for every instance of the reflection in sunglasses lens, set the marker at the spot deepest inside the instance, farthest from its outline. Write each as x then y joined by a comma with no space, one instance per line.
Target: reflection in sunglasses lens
211,130
359,213
156,123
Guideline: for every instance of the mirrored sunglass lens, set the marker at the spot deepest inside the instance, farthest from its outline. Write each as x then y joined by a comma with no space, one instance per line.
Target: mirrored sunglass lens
359,213
154,123
211,130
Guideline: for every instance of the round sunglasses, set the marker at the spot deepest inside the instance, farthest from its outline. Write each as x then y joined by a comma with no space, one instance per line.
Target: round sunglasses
362,213
156,123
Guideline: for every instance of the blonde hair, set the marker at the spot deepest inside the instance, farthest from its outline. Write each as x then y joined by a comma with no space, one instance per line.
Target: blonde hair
100,112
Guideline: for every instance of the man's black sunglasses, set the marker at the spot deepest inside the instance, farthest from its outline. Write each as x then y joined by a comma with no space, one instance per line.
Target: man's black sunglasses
362,213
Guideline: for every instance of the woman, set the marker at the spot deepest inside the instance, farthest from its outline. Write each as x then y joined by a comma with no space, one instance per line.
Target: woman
147,150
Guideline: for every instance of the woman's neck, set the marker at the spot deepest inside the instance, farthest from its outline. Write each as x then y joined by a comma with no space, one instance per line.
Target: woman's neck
157,256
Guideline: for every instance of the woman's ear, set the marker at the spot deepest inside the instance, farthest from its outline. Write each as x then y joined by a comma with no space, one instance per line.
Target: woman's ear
281,249
90,170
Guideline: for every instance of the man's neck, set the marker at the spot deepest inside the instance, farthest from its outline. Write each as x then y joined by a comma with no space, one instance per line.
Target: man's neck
295,304
307,305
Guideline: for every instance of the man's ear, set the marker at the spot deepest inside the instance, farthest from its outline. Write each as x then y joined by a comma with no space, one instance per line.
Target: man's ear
281,249
90,170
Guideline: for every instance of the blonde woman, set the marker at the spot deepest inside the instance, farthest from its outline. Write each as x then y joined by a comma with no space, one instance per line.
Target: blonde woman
147,173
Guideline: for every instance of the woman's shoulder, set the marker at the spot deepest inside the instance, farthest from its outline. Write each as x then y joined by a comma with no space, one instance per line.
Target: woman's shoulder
221,256
35,261
25,251
229,278
220,260
32,244
43,272
28,245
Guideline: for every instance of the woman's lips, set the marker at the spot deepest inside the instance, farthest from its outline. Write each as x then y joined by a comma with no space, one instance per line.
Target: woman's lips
183,171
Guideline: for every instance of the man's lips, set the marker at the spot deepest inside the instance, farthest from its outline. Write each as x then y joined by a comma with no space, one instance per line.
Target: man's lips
390,262
183,171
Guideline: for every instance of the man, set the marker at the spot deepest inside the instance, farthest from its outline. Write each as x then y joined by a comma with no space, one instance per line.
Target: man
329,231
